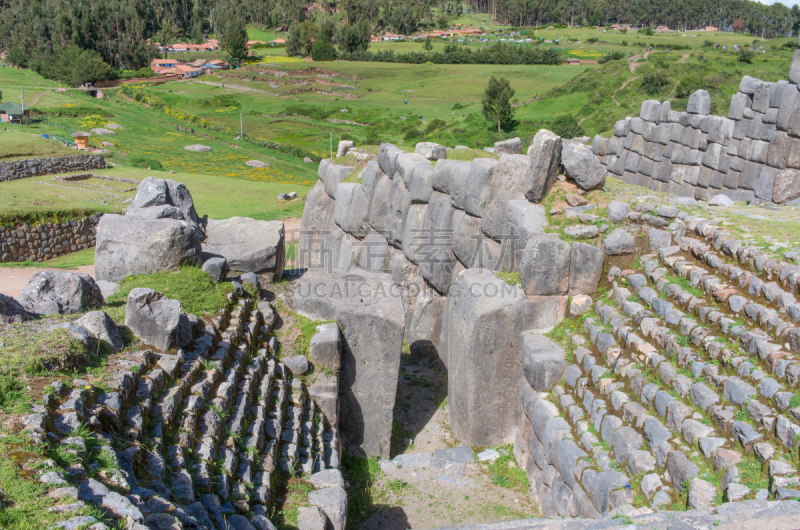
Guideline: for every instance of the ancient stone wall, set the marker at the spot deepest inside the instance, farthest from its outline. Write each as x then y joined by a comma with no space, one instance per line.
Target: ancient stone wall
444,239
46,241
45,166
753,153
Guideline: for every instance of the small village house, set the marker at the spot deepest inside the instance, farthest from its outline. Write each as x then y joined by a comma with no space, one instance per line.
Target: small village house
81,139
11,112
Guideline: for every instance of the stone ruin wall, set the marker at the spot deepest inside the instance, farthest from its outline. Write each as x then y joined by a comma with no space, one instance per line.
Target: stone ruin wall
753,153
47,241
379,228
46,166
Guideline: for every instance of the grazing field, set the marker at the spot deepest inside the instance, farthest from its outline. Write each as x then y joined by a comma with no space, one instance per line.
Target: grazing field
14,146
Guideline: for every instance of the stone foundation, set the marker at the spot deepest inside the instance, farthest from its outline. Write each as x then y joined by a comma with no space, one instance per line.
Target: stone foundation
46,166
47,241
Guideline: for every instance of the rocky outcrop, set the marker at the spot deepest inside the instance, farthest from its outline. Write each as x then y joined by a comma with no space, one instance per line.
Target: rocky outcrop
247,245
157,320
11,311
129,246
60,292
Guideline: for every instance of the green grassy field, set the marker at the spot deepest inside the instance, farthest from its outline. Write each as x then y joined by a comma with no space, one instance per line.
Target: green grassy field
217,197
21,146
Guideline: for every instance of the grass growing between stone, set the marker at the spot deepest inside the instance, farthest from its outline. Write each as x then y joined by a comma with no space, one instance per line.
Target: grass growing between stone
295,495
26,350
362,474
505,472
191,286
24,500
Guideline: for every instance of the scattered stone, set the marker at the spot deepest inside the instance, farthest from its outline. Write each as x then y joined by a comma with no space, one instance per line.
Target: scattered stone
102,327
216,268
488,455
619,242
11,311
157,320
258,164
573,199
297,364
102,131
460,455
60,292
580,304
332,501
198,148
582,231
431,151
582,166
701,494
618,211
720,200
343,148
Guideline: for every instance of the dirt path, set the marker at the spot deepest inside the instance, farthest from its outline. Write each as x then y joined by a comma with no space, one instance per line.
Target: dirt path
428,490
684,57
13,280
620,88
36,98
633,65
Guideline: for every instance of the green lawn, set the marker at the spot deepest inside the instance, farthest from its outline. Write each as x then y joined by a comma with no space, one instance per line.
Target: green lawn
21,146
215,196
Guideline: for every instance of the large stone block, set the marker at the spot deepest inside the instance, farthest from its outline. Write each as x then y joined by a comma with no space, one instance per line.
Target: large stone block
371,321
132,246
543,361
582,165
545,265
484,321
248,245
437,257
315,226
387,158
469,190
443,172
157,320
511,146
524,219
794,71
586,269
507,184
325,347
406,162
699,102
156,198
414,240
381,204
425,329
545,156
467,238
334,176
398,210
431,151
59,293
421,187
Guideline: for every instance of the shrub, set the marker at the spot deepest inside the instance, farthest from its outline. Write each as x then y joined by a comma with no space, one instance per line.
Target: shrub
592,39
457,106
435,124
613,56
688,84
653,82
567,126
647,31
624,43
412,134
746,56
144,163
707,44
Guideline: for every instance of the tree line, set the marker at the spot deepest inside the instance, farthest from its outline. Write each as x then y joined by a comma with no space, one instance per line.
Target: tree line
78,41
767,21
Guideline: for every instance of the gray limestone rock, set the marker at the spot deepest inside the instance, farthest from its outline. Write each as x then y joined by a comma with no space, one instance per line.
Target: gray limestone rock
469,190
701,494
332,501
157,320
582,166
545,157
586,269
512,146
618,211
425,328
247,245
786,186
543,361
60,292
11,311
431,151
619,242
311,518
507,184
659,239
545,265
216,268
297,364
699,103
372,323
482,332
325,349
100,325
128,246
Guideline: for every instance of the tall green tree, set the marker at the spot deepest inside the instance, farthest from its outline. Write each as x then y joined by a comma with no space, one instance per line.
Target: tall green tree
236,42
167,36
301,38
497,103
353,38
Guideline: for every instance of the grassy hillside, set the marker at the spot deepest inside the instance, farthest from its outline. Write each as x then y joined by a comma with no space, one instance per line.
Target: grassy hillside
21,146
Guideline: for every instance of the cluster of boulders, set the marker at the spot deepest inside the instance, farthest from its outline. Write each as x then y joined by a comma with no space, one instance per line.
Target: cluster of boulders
161,230
44,166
